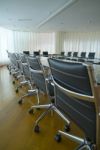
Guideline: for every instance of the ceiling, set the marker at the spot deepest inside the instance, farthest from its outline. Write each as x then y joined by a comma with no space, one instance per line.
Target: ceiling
50,15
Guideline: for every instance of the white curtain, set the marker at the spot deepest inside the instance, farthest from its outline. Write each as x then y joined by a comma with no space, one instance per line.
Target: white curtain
82,42
34,41
6,43
51,42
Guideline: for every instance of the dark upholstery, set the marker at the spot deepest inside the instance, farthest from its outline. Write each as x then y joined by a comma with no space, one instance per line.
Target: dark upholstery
91,55
74,77
83,55
26,52
36,53
45,53
75,54
69,54
62,53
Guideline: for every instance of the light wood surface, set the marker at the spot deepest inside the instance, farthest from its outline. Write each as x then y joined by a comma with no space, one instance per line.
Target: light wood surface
16,124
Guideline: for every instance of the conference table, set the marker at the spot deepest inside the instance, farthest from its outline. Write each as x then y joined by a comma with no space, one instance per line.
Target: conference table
96,67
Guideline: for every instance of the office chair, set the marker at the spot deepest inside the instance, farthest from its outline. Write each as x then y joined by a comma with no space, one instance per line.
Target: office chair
91,57
68,55
24,75
41,81
26,52
75,55
36,53
76,97
82,57
45,53
27,80
13,66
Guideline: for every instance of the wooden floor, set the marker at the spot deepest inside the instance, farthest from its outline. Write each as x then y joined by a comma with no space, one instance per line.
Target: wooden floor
16,124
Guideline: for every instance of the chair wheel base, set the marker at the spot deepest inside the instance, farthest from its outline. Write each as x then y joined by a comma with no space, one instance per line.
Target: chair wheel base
67,128
13,82
17,90
37,129
20,101
58,137
30,111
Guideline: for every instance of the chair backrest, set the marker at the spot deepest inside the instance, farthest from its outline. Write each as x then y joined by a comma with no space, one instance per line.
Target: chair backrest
26,52
36,53
45,53
75,54
37,74
91,55
69,54
83,54
74,94
62,53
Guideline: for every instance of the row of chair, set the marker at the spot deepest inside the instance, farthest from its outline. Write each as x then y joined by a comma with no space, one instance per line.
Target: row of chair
74,56
37,53
70,56
72,93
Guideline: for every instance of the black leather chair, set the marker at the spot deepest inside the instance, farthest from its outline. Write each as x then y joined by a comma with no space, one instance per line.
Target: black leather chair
75,56
62,53
76,98
82,57
91,57
26,52
45,53
69,54
36,53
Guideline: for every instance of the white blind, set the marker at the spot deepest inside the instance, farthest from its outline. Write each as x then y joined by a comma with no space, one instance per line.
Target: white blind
34,41
6,43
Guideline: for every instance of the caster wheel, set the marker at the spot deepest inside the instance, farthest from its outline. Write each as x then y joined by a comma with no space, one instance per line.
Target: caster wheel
13,82
37,129
31,111
20,101
67,128
10,73
58,137
93,147
17,91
